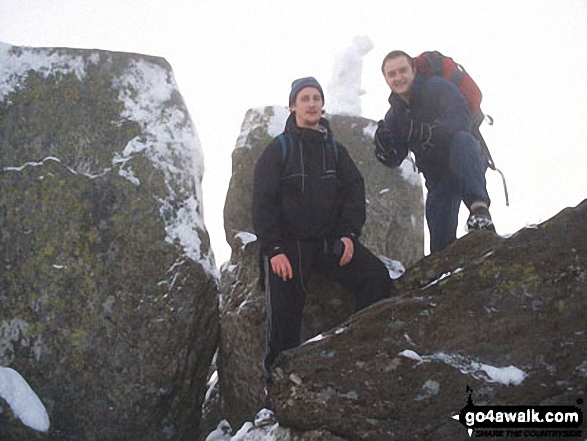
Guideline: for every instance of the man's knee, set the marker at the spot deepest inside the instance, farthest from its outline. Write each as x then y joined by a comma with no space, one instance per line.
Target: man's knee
464,147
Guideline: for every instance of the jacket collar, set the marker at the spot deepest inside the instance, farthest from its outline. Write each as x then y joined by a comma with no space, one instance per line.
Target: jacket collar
292,128
395,100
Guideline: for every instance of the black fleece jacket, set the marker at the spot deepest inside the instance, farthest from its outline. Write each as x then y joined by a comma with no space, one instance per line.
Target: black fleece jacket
311,194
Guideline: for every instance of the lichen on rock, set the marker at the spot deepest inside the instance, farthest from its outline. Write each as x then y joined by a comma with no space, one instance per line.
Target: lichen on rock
104,252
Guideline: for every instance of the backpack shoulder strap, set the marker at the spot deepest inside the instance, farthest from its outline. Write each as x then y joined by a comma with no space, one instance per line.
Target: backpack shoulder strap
335,148
286,144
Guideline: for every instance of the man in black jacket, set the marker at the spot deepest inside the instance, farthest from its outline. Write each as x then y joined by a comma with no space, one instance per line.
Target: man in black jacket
308,212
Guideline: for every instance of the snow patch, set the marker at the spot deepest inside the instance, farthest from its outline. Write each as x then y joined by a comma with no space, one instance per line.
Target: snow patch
409,171
429,388
240,435
245,238
504,375
344,89
370,129
276,123
16,62
395,268
442,277
316,338
509,375
23,402
264,428
408,353
170,141
273,118
50,159
582,369
211,385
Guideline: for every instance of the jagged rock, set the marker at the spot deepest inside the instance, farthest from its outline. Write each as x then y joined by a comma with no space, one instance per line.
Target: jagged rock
108,286
505,317
394,229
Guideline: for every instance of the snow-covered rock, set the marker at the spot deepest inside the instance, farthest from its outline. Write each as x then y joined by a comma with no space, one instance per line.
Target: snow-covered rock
108,282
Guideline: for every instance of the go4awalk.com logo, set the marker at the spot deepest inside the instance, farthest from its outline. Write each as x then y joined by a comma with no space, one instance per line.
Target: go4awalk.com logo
522,422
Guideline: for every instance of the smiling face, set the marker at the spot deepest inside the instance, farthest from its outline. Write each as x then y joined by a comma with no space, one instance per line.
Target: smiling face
308,107
399,75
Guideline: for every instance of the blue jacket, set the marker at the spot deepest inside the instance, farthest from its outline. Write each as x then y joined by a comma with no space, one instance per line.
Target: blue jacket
436,101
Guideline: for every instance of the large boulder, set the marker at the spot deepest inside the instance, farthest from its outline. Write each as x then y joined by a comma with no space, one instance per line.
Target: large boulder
108,286
394,229
504,318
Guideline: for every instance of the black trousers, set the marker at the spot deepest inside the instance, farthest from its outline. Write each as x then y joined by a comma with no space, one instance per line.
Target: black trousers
365,276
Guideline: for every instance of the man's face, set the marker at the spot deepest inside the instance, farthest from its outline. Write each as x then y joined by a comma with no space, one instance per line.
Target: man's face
308,107
399,75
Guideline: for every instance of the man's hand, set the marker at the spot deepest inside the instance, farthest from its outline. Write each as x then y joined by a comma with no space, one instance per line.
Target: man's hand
384,141
281,267
349,251
389,150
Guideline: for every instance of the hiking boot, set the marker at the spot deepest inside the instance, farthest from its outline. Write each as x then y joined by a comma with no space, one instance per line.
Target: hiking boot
480,219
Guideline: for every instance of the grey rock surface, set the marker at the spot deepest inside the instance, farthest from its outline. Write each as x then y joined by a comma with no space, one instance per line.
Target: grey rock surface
108,286
503,317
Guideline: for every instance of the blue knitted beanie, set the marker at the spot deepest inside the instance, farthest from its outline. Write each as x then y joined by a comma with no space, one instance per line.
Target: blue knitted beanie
299,84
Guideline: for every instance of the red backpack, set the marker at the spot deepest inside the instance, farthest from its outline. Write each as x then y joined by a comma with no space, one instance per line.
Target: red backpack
434,63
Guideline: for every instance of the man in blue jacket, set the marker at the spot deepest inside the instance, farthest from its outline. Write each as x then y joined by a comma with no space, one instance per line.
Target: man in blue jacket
430,116
308,212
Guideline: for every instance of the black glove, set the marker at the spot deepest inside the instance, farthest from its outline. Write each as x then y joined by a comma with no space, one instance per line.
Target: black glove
385,141
419,132
388,149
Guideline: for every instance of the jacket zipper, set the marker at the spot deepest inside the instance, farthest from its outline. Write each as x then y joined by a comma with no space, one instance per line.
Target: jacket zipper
302,163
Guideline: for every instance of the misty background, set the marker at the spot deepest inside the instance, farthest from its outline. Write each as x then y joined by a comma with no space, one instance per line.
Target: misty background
527,56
